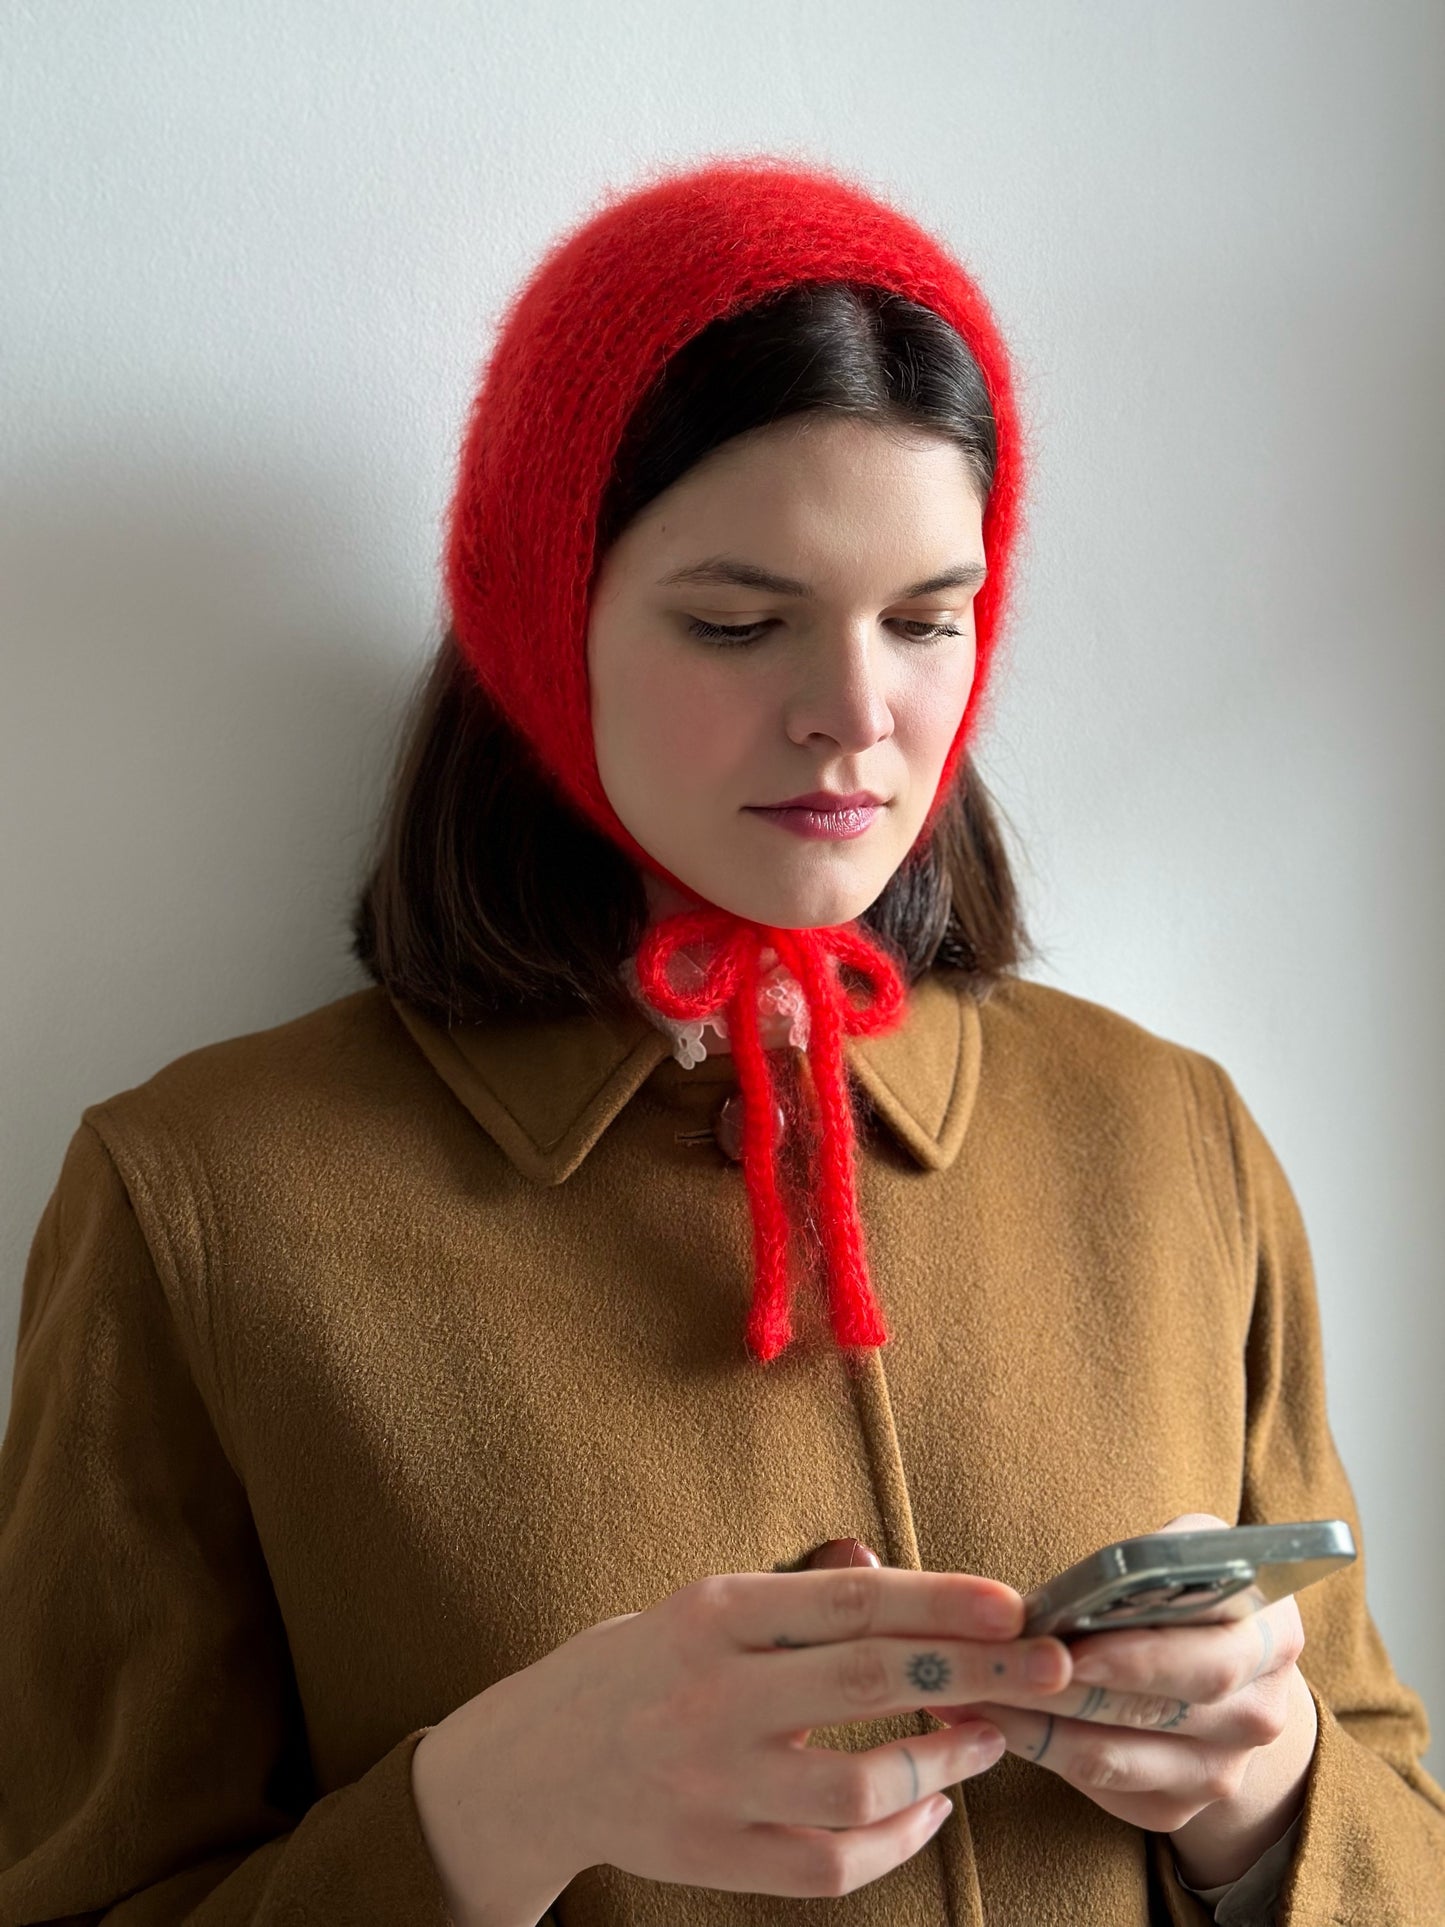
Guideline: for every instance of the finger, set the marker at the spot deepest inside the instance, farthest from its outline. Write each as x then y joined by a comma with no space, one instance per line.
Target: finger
1203,1664
815,1863
765,1610
1252,1718
1117,1762
866,1679
1195,1522
821,1786
1102,1707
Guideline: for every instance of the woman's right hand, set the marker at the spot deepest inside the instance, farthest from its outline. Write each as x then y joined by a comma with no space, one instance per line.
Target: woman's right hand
672,1743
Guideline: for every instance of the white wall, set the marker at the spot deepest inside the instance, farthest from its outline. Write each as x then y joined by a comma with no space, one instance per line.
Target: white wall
252,260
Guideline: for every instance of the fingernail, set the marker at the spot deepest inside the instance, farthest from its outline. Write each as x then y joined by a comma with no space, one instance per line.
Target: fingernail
1093,1671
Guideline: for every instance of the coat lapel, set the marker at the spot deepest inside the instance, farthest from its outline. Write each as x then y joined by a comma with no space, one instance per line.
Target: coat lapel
545,1091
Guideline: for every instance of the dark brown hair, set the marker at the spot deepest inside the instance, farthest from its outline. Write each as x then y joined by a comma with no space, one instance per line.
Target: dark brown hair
488,896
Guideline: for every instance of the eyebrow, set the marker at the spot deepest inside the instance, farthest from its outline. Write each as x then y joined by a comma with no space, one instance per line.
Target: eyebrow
746,575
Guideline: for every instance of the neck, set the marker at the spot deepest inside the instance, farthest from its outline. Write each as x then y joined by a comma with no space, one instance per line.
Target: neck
662,899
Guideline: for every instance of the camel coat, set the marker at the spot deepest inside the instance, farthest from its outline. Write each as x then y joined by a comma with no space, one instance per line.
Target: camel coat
362,1363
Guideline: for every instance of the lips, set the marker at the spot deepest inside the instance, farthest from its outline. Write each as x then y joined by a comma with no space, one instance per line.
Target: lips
834,824
825,802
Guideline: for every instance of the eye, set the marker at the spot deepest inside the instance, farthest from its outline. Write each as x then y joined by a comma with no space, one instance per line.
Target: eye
730,634
936,630
720,632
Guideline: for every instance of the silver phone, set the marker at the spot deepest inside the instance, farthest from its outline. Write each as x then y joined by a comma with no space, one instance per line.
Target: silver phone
1188,1577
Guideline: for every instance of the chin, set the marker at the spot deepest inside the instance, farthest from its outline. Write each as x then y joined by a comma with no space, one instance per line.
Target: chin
804,908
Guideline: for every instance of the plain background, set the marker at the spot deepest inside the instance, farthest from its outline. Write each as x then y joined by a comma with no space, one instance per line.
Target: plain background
253,261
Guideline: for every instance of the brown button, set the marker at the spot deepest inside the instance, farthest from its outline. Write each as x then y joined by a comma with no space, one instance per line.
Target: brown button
727,1126
842,1552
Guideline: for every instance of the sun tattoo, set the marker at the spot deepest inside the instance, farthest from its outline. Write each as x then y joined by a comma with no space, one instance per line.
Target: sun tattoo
929,1672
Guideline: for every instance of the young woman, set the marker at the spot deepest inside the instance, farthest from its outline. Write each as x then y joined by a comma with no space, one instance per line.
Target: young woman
561,1433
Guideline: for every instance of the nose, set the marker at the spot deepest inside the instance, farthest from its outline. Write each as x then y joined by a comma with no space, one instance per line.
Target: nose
848,704
841,1552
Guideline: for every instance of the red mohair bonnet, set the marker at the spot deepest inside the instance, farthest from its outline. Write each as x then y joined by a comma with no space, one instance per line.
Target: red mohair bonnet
578,347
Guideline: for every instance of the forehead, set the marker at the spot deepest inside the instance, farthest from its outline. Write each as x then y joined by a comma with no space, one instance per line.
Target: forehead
820,442
817,482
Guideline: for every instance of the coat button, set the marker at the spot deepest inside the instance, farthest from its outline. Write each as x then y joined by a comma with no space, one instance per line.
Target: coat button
841,1552
727,1126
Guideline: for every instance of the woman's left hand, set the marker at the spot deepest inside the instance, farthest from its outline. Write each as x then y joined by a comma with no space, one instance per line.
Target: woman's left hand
1203,1732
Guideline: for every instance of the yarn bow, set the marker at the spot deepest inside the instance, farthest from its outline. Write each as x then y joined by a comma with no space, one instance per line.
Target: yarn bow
731,978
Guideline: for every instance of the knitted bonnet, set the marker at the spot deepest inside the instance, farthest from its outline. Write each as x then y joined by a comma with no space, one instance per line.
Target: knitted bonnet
578,348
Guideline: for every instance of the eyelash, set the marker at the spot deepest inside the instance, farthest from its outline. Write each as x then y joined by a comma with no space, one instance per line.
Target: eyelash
720,632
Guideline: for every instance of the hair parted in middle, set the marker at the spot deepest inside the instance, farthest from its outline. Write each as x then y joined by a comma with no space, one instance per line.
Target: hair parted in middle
487,895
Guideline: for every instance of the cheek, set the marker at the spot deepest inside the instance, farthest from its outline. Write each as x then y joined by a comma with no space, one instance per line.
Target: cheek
927,724
929,712
683,720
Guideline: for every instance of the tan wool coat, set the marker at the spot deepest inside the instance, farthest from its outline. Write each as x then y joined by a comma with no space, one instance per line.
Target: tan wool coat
363,1363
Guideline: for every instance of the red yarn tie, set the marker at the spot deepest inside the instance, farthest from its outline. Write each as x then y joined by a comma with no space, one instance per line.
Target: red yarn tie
731,978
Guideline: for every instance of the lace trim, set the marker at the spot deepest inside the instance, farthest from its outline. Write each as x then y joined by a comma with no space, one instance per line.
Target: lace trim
782,1009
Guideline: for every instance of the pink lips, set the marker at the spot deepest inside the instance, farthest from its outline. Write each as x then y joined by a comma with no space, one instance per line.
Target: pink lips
824,800
836,823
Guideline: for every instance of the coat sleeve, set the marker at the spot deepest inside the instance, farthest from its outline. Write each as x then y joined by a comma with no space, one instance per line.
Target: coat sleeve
153,1760
1371,1839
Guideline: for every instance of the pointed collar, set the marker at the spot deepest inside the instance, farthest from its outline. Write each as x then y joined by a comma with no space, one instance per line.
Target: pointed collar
546,1091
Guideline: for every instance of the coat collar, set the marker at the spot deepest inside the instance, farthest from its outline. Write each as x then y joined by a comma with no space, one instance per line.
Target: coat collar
546,1091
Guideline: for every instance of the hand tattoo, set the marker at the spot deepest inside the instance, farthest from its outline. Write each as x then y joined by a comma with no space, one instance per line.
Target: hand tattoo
929,1672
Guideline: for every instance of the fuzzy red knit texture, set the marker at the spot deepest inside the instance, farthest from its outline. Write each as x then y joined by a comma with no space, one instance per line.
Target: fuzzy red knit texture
578,347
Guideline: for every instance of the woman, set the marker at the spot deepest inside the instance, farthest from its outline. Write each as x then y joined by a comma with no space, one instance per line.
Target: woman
429,1412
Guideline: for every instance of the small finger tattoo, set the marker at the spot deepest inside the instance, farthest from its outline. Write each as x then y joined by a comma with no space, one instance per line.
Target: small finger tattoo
1179,1718
1091,1705
1267,1641
1048,1735
929,1672
913,1770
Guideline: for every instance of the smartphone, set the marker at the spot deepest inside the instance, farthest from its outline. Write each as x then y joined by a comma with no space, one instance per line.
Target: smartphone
1189,1577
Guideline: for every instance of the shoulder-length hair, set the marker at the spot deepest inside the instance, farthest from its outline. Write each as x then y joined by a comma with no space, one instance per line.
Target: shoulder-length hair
487,896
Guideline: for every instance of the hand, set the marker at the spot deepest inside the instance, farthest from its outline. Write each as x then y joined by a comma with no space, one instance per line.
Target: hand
1232,1730
672,1743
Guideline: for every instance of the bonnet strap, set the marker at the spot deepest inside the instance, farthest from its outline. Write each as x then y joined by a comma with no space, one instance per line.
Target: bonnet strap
731,977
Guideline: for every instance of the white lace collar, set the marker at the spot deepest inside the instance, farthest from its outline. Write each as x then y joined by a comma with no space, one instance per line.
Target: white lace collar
782,1010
